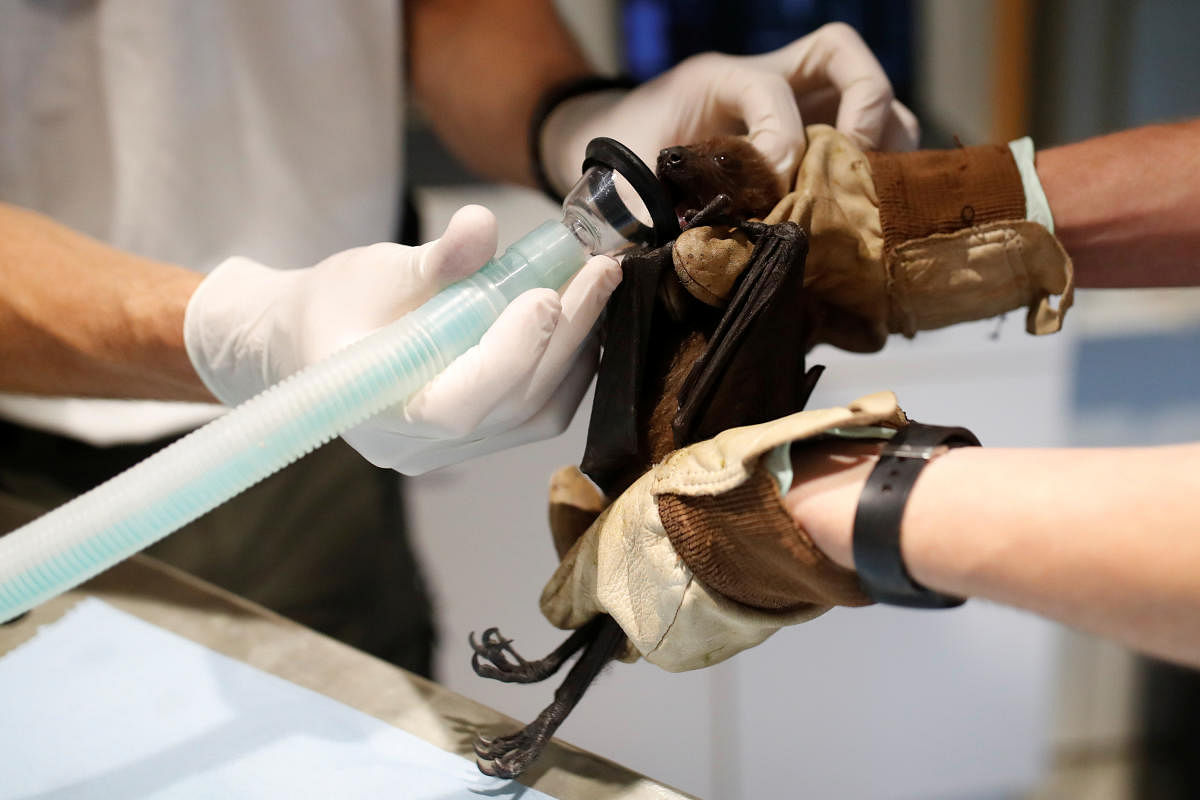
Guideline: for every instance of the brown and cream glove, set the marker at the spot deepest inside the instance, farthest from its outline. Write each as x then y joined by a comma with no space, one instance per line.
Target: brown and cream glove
698,559
903,242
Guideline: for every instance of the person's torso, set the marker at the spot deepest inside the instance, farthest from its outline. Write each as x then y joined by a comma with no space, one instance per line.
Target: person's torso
191,131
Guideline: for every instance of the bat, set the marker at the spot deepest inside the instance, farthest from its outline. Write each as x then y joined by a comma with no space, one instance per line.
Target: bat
677,369
679,366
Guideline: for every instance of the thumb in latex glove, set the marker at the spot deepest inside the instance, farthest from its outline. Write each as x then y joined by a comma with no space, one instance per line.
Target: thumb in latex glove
829,76
248,326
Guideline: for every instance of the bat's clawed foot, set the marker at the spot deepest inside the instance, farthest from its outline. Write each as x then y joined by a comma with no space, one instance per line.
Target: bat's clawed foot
601,640
509,756
495,658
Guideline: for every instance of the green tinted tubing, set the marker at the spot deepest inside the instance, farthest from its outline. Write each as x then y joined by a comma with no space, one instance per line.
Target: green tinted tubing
213,464
545,257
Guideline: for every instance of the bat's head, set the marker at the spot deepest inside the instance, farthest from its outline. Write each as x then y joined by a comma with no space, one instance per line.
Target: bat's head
695,174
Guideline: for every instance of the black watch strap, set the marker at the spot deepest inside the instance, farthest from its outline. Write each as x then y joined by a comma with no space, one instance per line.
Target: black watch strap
877,558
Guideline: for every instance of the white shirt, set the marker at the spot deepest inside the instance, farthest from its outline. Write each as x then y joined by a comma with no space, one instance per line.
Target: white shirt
192,130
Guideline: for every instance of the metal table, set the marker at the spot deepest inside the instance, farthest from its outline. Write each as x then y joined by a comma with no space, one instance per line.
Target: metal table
196,610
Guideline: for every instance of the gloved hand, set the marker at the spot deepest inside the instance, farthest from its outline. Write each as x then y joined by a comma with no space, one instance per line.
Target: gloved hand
248,326
902,242
829,75
698,559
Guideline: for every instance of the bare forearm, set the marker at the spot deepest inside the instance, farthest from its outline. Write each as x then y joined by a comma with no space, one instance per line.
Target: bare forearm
478,69
1105,540
78,317
1127,206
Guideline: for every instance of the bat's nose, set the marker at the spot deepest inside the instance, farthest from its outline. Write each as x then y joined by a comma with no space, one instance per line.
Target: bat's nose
671,156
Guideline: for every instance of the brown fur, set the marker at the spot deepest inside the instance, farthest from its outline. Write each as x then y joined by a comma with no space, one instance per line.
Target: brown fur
727,165
674,350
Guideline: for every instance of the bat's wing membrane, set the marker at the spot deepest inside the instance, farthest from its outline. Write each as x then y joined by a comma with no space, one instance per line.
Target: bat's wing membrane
613,439
753,369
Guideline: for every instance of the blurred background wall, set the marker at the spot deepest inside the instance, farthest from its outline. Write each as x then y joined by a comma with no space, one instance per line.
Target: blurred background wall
981,702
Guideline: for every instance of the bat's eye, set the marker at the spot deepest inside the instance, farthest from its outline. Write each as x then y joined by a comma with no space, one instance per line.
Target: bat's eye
723,161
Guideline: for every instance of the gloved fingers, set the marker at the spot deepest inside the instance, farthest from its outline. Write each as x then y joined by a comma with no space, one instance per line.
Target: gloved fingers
466,245
423,455
819,106
835,55
531,367
413,451
863,113
454,403
582,303
556,413
559,409
765,104
902,132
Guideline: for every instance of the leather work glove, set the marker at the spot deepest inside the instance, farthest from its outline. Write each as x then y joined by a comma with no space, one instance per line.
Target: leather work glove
902,242
828,76
248,326
698,559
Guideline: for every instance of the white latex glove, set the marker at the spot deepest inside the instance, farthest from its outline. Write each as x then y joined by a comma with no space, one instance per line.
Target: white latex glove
829,76
249,326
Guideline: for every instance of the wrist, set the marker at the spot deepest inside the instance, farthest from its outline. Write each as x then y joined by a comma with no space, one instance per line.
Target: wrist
879,557
930,547
227,327
826,488
155,312
823,498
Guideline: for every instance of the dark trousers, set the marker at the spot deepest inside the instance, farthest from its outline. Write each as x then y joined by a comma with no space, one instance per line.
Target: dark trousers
322,542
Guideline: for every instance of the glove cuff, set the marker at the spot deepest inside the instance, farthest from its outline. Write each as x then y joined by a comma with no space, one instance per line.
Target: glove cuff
744,545
223,328
1037,207
957,242
725,461
982,272
944,191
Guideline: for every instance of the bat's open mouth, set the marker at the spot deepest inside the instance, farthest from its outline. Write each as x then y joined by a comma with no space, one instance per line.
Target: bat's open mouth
686,201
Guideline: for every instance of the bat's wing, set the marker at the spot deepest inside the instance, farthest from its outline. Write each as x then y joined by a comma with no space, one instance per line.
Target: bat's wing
613,440
753,369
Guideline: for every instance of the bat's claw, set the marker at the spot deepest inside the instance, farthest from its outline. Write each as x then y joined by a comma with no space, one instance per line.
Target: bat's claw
509,756
495,658
507,767
488,747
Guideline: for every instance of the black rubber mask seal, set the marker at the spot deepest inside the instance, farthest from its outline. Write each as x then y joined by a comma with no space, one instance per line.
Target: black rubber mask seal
610,153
